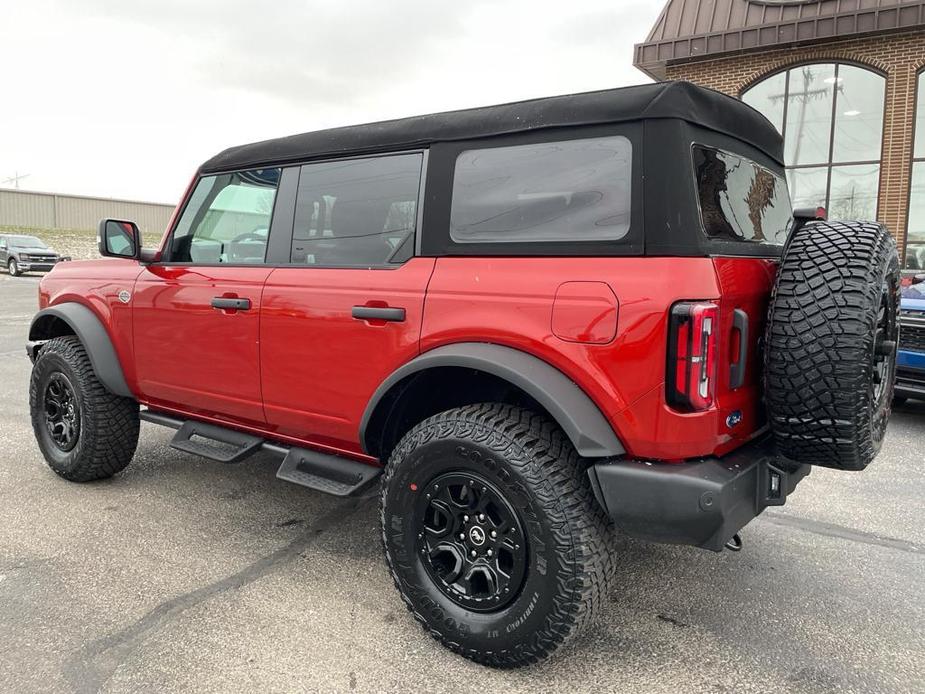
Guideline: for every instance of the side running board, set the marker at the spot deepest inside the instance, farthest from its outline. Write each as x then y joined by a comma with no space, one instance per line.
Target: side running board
215,443
326,473
323,472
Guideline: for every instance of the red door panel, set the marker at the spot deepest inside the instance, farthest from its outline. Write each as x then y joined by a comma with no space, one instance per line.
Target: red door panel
319,364
191,356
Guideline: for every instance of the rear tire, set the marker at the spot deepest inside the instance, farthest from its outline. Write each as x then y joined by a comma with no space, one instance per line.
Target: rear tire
462,475
831,342
85,432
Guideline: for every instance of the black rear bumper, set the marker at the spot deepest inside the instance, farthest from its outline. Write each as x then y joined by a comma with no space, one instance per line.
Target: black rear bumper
702,503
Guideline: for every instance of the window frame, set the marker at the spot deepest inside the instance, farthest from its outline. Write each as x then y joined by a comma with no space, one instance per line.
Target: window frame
167,245
915,158
828,165
436,215
282,217
418,216
618,144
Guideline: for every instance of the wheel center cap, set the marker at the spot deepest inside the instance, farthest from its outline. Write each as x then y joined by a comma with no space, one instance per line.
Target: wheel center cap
477,536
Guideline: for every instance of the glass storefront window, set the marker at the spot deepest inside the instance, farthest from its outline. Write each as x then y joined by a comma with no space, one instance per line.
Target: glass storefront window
768,97
915,229
859,116
808,124
807,186
831,117
853,192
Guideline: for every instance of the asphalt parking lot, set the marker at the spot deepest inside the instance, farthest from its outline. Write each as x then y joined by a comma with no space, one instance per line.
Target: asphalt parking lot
186,574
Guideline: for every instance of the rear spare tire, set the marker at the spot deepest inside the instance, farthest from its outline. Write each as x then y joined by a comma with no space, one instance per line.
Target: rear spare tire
830,358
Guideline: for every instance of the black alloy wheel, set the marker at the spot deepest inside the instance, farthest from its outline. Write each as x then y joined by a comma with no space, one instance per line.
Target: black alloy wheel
472,541
62,412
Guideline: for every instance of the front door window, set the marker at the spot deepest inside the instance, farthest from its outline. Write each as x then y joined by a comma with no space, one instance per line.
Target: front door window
227,219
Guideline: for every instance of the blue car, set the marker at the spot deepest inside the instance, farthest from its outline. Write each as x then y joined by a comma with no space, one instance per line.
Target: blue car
910,363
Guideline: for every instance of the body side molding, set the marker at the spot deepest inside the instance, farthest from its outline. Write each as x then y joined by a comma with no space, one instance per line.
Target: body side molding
580,418
91,333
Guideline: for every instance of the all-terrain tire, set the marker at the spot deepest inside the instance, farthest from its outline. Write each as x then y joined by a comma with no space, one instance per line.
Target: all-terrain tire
569,542
13,268
106,425
830,355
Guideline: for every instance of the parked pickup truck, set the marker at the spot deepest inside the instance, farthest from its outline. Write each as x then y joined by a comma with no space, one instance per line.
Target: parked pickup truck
533,325
20,253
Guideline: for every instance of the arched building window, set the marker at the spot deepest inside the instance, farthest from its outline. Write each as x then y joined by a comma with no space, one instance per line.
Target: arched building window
915,231
831,117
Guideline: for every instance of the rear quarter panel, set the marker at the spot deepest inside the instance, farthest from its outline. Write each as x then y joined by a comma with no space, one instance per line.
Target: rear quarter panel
509,301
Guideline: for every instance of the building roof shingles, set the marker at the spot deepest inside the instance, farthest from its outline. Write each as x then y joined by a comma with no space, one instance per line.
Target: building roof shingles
688,30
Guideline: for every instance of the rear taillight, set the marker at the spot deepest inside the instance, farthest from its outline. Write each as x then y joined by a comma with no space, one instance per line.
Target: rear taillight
691,377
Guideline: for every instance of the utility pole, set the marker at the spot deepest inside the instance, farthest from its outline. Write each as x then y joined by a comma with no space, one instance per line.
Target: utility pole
802,98
15,179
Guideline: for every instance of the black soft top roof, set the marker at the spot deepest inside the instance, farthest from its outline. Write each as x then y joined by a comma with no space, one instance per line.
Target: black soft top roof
683,100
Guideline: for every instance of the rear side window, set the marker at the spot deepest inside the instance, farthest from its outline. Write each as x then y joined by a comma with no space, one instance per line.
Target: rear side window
573,190
739,199
227,219
357,212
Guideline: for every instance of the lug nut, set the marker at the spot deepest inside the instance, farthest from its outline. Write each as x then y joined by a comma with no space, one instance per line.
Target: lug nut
494,534
465,519
481,517
489,553
462,536
472,553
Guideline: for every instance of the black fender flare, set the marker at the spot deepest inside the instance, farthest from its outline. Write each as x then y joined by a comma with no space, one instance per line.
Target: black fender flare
93,336
580,418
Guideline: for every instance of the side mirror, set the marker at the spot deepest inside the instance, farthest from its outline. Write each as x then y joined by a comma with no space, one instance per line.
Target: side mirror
119,239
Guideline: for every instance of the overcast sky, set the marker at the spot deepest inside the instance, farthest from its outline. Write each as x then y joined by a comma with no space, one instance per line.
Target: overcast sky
125,98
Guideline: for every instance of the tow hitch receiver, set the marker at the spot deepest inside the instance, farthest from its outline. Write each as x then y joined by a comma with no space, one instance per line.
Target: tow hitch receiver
772,485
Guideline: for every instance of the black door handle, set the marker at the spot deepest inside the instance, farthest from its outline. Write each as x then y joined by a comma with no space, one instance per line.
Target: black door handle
396,315
228,303
737,370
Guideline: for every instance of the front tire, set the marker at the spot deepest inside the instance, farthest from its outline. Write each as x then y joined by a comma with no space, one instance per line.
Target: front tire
85,432
13,268
492,534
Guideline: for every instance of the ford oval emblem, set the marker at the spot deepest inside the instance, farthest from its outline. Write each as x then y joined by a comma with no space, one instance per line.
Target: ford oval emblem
734,418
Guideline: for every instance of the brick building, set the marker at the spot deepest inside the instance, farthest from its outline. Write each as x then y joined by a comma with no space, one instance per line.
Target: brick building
843,80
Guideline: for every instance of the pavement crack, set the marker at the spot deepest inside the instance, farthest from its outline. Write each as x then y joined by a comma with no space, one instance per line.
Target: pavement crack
89,668
841,532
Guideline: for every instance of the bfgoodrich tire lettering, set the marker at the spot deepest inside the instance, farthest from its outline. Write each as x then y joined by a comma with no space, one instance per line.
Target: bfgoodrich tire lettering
570,546
831,343
107,425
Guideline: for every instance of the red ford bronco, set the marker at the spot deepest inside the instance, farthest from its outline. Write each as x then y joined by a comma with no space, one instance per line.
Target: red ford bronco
532,324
